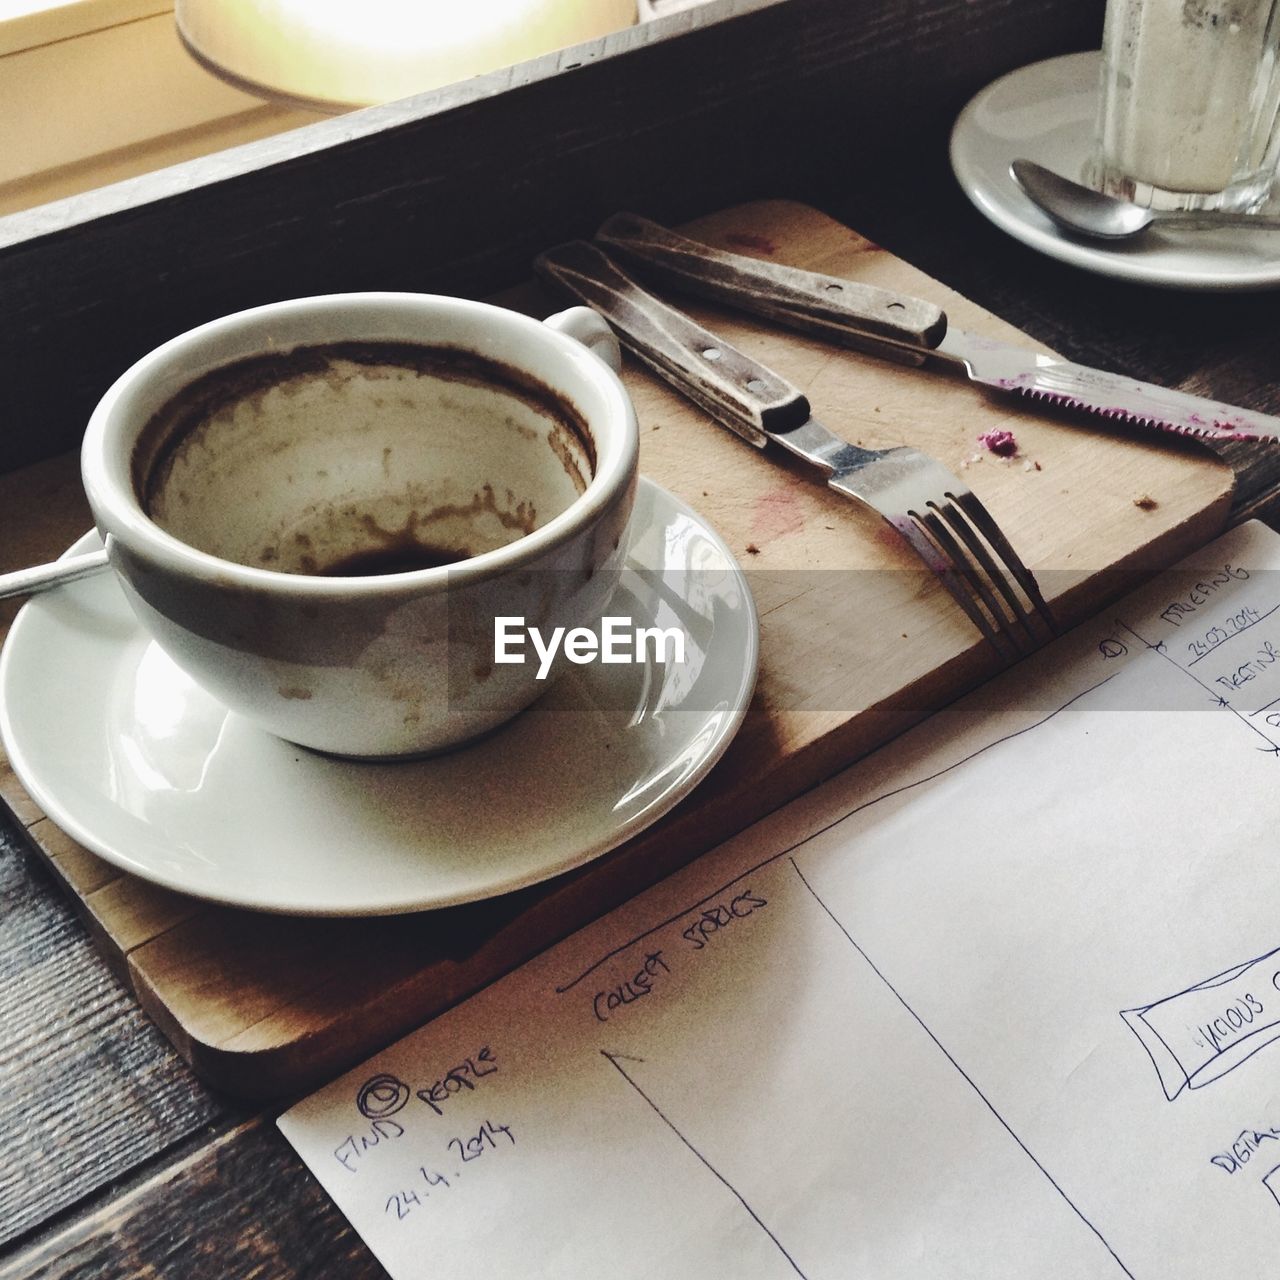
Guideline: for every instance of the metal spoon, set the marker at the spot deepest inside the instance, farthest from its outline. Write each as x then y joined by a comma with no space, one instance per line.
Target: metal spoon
40,577
1086,212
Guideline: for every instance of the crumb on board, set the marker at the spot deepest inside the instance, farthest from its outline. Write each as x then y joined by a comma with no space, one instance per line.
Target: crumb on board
1145,501
1001,443
752,549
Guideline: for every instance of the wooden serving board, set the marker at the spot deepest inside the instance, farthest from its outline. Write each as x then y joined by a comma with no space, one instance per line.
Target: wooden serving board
857,643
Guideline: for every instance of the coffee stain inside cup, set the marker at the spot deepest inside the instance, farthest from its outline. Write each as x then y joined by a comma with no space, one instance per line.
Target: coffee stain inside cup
361,459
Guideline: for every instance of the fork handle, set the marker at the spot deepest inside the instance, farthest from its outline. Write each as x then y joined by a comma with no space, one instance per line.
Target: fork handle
743,395
839,310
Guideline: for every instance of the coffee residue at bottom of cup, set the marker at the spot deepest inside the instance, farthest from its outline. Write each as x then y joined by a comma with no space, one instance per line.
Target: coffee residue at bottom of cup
401,557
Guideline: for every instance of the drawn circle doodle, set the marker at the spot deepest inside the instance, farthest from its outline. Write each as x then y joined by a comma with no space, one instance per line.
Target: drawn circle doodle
381,1096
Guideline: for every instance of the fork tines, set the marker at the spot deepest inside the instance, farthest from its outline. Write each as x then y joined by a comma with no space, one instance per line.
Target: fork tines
984,574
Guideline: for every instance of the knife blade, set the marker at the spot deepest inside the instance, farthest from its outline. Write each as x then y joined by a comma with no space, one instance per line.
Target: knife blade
901,327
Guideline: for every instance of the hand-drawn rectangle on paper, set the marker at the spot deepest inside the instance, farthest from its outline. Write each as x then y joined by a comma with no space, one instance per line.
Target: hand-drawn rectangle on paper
1200,1034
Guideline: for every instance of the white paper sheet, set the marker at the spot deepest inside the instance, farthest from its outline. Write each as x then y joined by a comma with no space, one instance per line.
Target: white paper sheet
1003,1000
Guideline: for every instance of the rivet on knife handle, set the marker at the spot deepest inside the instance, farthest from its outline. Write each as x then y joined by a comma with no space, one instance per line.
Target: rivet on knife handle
833,308
729,385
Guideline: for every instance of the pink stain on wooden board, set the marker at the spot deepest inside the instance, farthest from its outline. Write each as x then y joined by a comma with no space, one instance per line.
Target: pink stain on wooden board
777,513
748,240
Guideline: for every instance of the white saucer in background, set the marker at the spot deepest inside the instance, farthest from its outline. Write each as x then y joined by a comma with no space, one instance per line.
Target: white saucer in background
138,764
1046,112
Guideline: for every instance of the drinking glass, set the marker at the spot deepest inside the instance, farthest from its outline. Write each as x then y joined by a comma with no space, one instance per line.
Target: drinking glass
1190,98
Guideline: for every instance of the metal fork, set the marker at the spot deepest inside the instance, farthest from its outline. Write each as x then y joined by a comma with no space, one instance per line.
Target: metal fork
938,515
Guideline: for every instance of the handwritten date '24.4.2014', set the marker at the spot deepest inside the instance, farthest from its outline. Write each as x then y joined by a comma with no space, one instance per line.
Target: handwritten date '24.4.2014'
400,1204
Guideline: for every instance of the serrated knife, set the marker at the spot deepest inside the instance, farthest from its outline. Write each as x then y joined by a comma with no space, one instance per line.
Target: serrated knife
914,331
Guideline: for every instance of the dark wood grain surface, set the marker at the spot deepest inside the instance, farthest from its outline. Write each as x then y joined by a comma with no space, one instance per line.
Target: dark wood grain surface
117,1161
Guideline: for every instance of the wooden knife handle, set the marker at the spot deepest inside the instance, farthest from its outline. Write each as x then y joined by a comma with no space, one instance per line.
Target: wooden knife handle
729,385
839,310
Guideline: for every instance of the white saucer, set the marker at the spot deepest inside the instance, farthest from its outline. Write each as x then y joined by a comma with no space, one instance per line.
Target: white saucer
1045,112
137,763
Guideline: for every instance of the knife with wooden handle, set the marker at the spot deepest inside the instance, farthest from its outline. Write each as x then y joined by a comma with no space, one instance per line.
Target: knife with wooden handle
822,304
855,315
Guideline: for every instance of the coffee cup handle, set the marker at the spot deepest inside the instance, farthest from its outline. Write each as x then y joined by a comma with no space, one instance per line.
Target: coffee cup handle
590,329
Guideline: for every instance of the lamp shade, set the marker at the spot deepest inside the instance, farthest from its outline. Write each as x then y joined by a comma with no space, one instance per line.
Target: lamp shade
336,54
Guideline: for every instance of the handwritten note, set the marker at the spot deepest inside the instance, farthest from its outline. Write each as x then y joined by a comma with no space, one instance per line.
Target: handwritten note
1002,1000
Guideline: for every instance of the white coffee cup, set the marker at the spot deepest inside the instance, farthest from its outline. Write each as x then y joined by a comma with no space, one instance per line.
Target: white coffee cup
244,475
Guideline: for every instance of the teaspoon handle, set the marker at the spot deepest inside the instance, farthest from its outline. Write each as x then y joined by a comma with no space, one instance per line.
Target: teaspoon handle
40,577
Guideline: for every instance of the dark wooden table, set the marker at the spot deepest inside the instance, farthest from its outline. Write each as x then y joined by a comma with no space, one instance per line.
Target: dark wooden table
117,1161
